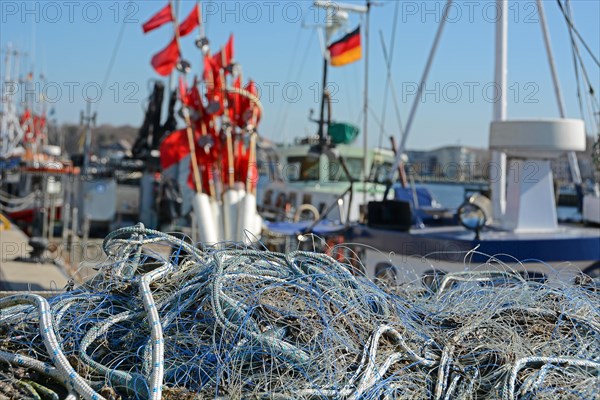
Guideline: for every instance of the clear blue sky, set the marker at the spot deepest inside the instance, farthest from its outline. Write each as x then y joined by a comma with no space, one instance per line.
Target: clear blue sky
72,42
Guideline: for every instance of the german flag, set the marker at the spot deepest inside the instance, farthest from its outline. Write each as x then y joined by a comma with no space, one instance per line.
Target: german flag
346,50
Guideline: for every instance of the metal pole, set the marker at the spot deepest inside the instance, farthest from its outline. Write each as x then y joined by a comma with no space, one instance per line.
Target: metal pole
576,175
366,107
498,183
321,131
5,103
417,100
500,73
327,36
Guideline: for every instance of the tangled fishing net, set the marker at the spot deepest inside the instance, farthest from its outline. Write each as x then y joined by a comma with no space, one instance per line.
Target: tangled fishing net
164,319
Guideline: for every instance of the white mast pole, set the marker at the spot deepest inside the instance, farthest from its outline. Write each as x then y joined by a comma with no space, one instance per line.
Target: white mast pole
366,107
576,175
417,100
498,182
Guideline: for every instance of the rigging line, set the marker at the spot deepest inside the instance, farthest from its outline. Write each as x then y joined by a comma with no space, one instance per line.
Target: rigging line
377,120
575,63
349,99
585,45
590,89
588,82
289,74
389,84
287,105
111,63
299,72
388,67
591,102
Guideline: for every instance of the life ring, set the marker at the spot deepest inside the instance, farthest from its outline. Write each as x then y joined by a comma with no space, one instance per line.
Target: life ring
4,223
306,207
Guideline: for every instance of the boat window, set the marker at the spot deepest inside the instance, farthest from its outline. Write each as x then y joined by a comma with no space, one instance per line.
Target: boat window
337,174
302,169
292,199
267,197
381,171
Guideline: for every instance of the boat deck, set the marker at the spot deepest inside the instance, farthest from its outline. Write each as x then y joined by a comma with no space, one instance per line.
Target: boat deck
568,243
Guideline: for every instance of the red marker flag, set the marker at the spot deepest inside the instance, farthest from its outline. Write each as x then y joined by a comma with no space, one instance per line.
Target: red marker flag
174,148
224,57
191,22
159,19
165,60
251,113
214,86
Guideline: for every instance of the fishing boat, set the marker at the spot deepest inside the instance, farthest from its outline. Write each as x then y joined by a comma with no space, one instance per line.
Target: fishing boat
517,225
327,178
32,169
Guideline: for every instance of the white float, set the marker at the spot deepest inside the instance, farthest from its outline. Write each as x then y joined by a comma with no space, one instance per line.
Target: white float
207,226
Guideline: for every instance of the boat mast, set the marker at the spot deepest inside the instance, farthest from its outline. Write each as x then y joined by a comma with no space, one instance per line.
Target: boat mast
366,106
88,119
576,175
498,183
6,98
321,131
336,16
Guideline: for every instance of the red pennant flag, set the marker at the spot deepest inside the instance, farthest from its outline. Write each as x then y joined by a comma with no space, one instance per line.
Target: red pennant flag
174,148
251,113
183,91
159,19
211,73
165,60
234,102
214,86
191,22
224,57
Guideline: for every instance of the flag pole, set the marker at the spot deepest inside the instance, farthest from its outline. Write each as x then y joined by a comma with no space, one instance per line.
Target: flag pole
192,145
186,116
328,24
174,12
321,131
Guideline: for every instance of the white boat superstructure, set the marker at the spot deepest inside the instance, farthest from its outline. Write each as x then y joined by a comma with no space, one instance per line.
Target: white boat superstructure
315,182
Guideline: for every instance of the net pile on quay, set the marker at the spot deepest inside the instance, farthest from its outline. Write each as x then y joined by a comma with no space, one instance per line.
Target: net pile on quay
241,323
